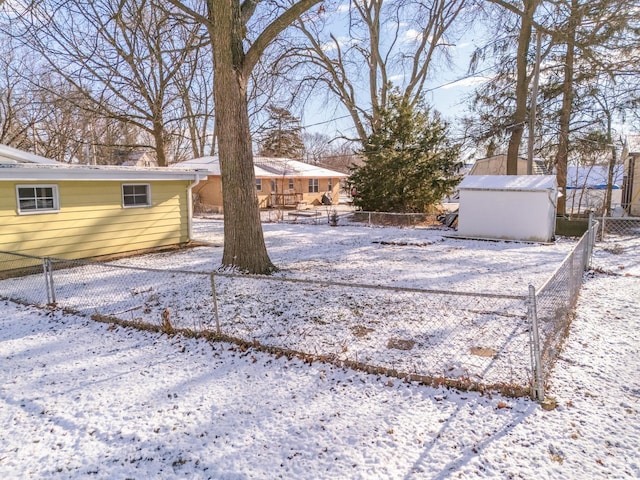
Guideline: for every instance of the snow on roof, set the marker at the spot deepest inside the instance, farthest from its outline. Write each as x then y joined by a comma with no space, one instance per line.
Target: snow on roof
264,167
10,155
279,167
24,166
210,164
64,172
508,182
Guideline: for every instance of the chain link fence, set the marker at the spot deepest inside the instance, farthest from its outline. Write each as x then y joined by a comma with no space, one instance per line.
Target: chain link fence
394,219
551,309
619,227
333,214
469,340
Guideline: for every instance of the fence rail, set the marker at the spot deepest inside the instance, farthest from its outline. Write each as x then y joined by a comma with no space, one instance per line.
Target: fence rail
471,340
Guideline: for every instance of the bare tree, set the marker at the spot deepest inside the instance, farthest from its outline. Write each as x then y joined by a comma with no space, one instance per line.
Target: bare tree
316,146
389,42
228,25
124,58
17,109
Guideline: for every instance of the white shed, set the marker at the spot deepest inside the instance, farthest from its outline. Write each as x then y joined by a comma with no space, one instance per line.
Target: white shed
509,207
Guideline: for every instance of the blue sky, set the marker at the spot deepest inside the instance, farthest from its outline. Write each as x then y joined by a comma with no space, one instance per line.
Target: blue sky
325,115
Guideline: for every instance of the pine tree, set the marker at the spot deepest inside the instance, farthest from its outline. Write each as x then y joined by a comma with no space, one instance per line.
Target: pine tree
410,164
282,136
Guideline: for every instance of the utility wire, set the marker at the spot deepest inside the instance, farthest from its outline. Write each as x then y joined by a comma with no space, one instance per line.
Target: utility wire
427,90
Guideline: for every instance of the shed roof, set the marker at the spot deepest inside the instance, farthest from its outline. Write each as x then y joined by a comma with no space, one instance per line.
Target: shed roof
526,183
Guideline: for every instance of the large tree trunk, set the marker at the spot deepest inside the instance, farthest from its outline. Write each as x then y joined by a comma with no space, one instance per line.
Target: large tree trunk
158,136
612,167
562,157
244,246
522,86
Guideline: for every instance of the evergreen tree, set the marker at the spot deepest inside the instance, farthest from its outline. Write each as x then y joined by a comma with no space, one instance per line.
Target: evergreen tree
282,136
410,164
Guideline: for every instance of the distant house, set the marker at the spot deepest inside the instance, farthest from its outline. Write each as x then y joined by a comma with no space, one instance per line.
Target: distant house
140,159
280,182
497,165
78,211
587,187
494,165
631,177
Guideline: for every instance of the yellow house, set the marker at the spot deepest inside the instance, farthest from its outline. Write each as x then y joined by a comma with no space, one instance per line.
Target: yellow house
280,182
72,211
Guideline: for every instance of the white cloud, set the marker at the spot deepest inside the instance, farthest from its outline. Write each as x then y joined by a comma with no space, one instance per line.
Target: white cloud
342,41
466,82
411,35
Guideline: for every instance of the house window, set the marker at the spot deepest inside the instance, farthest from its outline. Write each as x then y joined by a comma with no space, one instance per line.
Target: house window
291,185
136,195
259,184
314,185
330,184
273,186
37,198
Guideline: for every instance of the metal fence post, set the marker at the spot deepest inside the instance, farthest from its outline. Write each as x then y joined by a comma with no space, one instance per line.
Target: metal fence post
603,228
537,388
572,277
48,280
590,240
45,272
215,302
595,226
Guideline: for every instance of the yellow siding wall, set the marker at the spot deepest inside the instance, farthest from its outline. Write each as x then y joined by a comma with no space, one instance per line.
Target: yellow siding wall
92,222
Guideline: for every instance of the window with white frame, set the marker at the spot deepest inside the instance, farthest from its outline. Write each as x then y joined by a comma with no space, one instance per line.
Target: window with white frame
314,185
259,184
37,198
291,185
136,195
274,187
330,184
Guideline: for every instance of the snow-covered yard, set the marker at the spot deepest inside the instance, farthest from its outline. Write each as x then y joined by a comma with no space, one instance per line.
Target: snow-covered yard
79,398
318,304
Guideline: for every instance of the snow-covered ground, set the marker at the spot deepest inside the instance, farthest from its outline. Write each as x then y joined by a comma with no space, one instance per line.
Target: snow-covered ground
79,399
326,311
